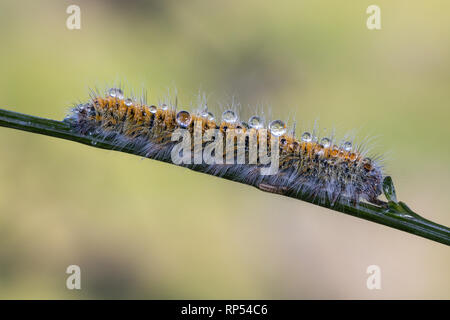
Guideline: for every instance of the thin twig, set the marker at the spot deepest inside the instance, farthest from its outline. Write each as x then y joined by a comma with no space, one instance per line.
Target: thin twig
392,213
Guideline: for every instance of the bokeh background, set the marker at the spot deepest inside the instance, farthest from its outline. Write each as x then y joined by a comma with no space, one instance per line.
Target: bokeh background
144,229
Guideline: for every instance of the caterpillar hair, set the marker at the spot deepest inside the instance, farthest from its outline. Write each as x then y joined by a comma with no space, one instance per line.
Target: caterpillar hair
323,168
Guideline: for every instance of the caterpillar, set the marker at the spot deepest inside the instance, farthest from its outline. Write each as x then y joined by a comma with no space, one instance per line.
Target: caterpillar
318,167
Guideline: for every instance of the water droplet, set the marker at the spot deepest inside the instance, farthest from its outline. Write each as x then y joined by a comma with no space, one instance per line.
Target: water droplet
255,122
152,109
229,116
115,93
112,92
164,107
208,116
183,119
306,137
325,142
128,102
277,128
347,146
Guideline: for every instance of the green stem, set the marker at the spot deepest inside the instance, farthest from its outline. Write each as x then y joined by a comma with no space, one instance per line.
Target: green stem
393,214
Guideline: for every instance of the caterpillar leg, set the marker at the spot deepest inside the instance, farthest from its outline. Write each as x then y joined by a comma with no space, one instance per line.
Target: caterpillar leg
272,189
378,202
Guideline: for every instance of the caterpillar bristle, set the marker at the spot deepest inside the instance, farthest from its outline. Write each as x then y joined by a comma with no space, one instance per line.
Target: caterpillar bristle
314,165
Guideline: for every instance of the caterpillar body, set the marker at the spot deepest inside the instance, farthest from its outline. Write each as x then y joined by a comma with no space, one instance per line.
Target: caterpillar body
312,165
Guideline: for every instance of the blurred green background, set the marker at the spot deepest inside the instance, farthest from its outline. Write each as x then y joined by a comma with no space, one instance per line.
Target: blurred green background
144,229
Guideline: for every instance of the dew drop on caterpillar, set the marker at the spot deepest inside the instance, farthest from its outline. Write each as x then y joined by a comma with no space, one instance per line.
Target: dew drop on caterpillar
315,166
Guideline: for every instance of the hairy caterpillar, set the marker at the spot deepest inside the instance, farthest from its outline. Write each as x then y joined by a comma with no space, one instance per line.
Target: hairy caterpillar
317,167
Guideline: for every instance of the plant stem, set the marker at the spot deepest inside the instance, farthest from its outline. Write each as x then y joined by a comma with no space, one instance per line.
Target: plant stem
392,214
